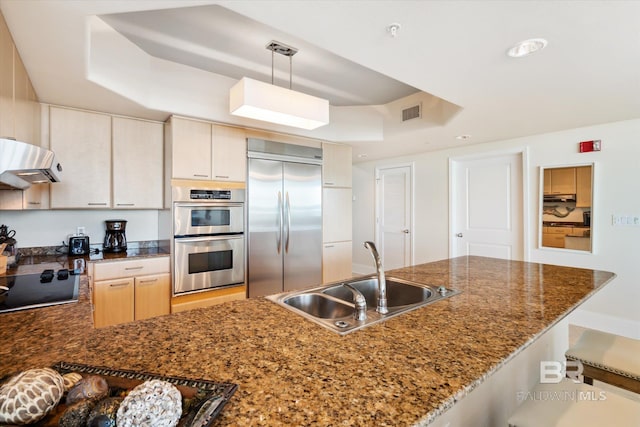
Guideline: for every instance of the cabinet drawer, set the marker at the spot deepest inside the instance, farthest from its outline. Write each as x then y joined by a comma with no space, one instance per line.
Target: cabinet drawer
129,268
553,240
559,230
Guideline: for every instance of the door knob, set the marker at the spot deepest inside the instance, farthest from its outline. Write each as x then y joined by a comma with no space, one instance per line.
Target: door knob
405,231
459,235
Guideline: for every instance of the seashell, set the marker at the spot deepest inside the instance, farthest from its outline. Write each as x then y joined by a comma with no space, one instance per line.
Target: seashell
92,387
70,380
76,415
30,395
206,411
154,403
104,413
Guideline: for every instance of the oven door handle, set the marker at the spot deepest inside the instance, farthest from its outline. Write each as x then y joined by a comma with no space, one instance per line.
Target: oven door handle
205,238
279,232
288,208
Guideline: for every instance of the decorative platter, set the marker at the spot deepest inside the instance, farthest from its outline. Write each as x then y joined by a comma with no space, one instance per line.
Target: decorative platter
202,400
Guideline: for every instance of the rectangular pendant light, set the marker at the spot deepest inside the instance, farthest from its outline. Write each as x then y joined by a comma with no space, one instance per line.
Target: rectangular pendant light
266,102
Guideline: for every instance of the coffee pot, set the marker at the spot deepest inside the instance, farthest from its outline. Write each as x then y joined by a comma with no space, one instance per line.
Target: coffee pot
115,239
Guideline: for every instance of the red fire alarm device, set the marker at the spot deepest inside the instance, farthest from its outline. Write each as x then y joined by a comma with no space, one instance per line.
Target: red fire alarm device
588,146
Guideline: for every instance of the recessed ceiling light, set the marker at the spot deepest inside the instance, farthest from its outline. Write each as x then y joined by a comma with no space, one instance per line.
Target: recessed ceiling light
463,137
526,47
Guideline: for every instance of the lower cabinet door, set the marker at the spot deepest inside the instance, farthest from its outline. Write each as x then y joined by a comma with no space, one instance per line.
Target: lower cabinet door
113,302
336,261
152,296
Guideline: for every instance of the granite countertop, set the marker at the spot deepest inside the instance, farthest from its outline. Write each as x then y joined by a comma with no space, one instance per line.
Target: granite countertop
290,371
34,260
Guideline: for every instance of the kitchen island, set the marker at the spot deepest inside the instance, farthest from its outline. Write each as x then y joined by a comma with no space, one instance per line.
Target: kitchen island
407,370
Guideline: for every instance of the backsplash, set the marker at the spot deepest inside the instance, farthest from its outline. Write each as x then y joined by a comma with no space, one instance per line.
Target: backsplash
574,216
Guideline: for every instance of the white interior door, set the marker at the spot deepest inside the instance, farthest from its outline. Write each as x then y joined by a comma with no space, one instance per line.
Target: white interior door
487,207
393,218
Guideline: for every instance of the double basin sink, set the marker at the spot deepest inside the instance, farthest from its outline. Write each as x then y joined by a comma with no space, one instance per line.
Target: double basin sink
332,306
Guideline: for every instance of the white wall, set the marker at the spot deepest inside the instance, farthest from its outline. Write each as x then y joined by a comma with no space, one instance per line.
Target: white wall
616,191
51,228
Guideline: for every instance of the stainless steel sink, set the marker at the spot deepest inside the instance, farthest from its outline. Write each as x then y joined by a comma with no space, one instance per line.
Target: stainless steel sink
398,293
318,305
332,306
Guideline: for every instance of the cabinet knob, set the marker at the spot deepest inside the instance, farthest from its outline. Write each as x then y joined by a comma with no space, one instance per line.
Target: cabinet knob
459,235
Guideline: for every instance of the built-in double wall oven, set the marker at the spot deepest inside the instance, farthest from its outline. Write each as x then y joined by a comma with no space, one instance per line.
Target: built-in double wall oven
208,243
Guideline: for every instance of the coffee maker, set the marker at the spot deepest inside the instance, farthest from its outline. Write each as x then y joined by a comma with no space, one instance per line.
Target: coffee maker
115,240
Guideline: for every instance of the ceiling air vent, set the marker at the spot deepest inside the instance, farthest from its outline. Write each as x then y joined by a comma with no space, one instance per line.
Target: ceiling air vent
411,113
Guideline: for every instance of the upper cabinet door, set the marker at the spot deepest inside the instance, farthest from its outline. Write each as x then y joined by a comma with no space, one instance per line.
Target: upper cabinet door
137,164
583,187
191,149
6,82
563,181
82,143
336,165
229,150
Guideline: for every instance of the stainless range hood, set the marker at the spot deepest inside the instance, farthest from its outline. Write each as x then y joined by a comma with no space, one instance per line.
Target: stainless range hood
23,164
559,197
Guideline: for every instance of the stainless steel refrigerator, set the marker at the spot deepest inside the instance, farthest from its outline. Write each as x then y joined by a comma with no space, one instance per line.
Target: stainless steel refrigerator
284,226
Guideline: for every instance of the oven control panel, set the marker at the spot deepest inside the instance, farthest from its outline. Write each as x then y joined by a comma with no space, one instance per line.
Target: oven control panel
210,194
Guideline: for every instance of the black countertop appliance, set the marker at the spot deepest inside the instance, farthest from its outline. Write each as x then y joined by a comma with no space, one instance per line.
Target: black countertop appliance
115,239
27,291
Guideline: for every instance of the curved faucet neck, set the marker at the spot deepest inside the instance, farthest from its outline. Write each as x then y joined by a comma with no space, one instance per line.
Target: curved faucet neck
382,283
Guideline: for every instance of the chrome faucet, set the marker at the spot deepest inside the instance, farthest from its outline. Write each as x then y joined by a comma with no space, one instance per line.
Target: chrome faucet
382,283
360,312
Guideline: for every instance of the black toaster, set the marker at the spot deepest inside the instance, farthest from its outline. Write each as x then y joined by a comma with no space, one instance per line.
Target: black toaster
79,245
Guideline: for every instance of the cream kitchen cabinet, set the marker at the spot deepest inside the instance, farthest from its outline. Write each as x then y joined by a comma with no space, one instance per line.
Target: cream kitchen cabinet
336,234
583,187
229,154
137,164
6,81
19,109
336,165
82,143
336,261
123,291
200,150
190,142
337,229
560,181
336,215
108,162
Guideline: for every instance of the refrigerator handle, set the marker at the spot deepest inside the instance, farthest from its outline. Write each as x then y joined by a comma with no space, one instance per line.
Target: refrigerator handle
279,232
288,208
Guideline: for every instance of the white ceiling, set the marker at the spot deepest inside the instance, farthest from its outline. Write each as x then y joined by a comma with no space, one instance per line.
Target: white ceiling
451,52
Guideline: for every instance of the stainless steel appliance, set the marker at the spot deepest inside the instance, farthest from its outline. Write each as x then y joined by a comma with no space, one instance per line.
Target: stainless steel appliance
78,245
26,291
23,164
208,244
115,239
284,207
